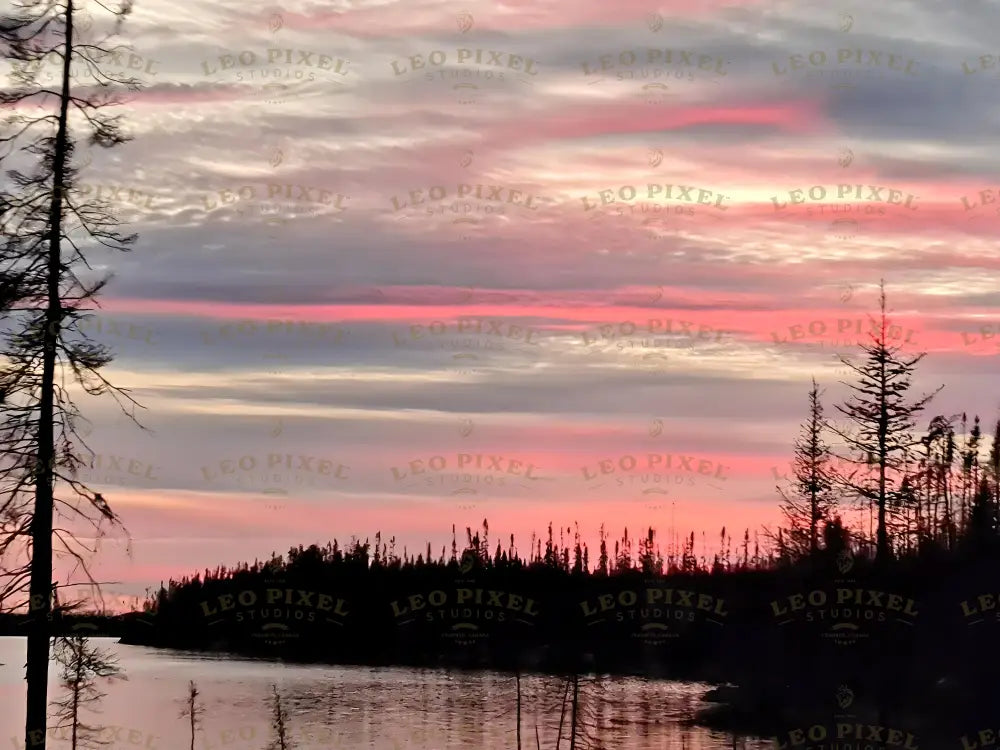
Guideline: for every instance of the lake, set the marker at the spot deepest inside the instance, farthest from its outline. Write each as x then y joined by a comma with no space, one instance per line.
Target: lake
361,708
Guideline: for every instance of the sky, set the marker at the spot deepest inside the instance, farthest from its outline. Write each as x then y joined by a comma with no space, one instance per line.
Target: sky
403,265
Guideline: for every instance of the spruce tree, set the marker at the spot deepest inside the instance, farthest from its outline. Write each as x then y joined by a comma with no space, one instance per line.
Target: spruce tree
879,438
811,499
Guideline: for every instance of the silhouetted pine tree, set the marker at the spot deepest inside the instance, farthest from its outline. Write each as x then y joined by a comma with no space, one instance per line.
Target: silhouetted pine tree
810,501
882,420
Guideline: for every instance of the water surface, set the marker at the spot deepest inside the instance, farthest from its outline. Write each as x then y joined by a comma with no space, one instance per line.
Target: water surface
361,708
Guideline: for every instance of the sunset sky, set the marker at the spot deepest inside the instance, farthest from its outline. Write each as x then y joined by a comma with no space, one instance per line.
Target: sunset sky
642,241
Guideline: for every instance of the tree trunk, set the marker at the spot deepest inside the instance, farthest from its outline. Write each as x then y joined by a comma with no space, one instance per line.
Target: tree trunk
76,700
37,672
517,679
813,522
562,716
576,704
882,544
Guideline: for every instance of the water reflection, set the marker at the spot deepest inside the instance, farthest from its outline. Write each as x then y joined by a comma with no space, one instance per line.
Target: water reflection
364,708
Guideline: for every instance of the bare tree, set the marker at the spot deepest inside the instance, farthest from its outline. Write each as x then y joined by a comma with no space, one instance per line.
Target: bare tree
192,710
82,666
37,222
279,722
881,440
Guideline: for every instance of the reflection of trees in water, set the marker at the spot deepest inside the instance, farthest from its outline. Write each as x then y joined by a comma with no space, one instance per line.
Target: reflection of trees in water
479,710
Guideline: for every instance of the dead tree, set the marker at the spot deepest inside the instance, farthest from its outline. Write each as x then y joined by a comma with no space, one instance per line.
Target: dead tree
42,218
